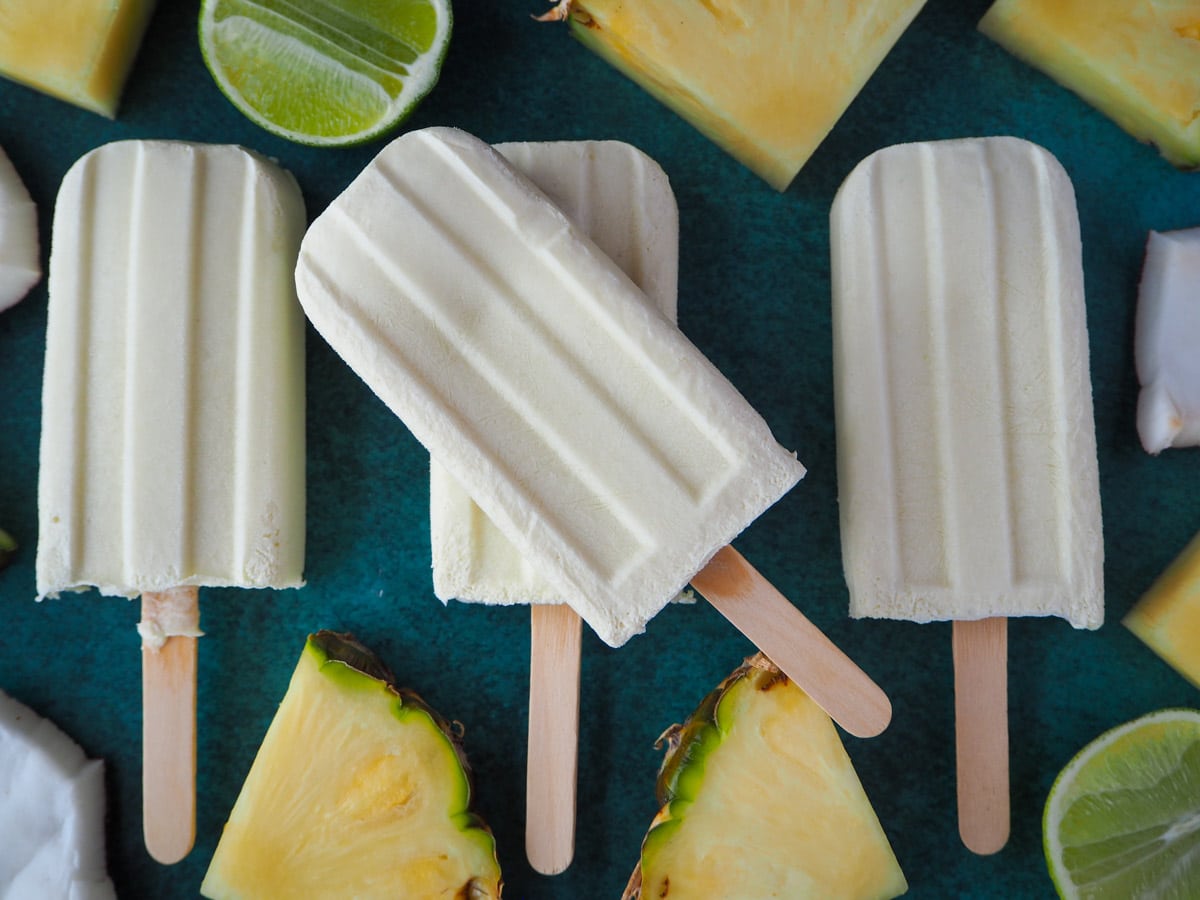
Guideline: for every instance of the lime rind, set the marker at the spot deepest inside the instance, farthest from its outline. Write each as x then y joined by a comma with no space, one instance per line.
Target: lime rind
1123,817
322,74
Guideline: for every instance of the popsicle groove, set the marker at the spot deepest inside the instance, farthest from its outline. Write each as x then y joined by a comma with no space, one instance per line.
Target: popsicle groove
702,488
601,400
248,250
580,547
1002,363
941,382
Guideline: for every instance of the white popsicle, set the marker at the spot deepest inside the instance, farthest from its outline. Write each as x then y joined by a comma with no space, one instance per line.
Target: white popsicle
172,450
621,199
966,446
607,449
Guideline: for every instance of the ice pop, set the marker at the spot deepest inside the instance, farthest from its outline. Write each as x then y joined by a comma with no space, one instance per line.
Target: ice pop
172,450
623,201
1167,336
607,449
966,445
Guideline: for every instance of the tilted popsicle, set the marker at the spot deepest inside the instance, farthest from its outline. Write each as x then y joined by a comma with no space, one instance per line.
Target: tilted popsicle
608,450
172,449
623,201
967,462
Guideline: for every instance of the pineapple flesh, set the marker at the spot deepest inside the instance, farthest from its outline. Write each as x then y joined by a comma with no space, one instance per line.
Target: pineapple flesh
80,51
1137,61
765,79
358,790
1167,618
759,799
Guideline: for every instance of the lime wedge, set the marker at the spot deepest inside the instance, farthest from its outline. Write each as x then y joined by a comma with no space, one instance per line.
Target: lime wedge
1123,818
325,73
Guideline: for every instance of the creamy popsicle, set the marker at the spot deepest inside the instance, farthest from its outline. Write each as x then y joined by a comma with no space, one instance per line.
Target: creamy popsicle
967,462
607,449
623,201
172,449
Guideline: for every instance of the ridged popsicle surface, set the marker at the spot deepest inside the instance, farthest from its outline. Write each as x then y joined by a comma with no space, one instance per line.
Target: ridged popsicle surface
967,466
623,201
611,453
172,448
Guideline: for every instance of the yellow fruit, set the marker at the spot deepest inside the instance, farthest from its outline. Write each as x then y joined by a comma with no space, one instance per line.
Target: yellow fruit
1137,61
761,800
1167,618
358,790
77,50
764,79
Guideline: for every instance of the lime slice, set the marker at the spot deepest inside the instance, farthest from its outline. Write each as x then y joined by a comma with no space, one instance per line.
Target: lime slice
1123,818
325,73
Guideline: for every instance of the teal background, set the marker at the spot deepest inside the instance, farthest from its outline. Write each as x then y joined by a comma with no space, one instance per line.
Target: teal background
754,295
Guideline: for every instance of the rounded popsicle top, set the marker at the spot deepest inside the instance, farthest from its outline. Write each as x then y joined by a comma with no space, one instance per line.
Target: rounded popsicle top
172,447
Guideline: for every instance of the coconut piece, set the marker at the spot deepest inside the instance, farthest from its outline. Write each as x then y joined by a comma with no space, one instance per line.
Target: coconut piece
1167,333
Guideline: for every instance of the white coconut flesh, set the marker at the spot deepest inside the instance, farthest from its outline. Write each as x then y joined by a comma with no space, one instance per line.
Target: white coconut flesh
51,812
20,268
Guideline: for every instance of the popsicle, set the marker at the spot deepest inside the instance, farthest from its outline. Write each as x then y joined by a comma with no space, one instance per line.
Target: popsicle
604,445
967,466
622,199
172,449
1166,338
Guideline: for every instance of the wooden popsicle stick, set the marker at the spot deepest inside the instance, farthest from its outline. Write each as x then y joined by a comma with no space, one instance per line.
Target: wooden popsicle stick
981,732
794,644
553,751
169,730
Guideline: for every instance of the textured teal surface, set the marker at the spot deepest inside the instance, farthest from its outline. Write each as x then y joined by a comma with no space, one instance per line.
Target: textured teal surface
754,295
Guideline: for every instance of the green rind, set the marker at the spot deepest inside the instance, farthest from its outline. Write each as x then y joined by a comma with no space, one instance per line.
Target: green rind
386,126
8,548
346,661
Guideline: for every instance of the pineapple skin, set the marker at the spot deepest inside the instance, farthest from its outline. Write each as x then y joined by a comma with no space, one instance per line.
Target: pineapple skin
766,80
857,864
262,854
1167,618
1136,61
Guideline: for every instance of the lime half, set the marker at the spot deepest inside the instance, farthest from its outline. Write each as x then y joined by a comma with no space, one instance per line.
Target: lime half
322,72
1123,818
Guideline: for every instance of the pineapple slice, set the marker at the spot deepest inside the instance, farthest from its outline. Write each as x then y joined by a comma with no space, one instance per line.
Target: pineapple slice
1137,61
80,51
765,79
1167,618
358,790
760,800
51,812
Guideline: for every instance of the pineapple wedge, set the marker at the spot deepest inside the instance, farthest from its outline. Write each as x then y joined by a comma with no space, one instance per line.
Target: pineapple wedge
358,790
760,800
80,51
1137,61
765,79
1167,618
